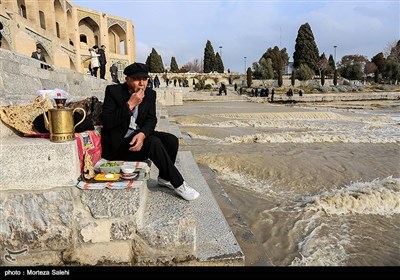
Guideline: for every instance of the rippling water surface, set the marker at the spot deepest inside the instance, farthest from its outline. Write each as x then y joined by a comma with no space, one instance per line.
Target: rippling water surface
317,185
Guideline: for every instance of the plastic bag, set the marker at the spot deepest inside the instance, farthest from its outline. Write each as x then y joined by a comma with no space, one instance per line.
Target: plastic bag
54,94
89,142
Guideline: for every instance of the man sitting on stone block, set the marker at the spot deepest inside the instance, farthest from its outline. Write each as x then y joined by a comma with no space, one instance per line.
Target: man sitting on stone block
129,119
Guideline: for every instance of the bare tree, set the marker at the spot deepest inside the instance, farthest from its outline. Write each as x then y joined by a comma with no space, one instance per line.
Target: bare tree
195,66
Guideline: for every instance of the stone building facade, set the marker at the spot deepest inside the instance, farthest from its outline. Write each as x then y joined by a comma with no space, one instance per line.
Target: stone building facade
65,33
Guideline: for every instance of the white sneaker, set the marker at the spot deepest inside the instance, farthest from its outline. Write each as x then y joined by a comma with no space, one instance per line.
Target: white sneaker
165,183
187,192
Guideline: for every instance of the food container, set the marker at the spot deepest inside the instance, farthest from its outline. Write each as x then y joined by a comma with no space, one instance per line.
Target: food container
110,167
127,169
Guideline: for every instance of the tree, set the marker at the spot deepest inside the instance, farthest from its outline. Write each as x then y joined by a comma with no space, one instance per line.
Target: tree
392,71
174,65
322,77
353,58
194,66
279,59
263,69
379,61
249,77
376,76
394,53
352,66
335,77
306,50
323,64
370,68
280,78
331,63
304,73
293,78
219,66
352,71
209,58
154,62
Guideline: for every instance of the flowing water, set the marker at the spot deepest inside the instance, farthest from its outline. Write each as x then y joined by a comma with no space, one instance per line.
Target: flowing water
316,184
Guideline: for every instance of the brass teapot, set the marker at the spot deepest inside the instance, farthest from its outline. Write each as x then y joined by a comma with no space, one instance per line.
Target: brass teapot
60,123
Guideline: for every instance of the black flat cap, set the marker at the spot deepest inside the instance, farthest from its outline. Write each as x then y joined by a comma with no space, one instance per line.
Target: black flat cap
137,70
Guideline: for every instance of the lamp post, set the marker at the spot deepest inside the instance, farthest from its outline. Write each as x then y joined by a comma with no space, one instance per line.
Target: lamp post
334,56
245,64
220,51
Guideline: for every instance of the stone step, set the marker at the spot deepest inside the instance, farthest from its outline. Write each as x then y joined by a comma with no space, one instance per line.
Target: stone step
37,163
214,241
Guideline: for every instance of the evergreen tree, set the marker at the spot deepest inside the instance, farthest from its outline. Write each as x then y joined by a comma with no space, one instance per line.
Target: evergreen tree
293,79
335,77
376,76
306,50
395,53
249,77
219,66
263,69
331,62
209,58
304,73
279,58
322,77
154,62
379,61
174,65
280,78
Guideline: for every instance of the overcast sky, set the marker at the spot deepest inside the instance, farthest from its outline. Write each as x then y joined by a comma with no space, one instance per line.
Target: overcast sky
248,28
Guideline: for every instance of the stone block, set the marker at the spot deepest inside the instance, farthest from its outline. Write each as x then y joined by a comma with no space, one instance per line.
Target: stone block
109,253
108,204
40,221
37,163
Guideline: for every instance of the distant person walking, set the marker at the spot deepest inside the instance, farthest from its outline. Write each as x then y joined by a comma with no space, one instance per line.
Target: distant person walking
114,73
94,60
103,61
156,82
39,56
272,95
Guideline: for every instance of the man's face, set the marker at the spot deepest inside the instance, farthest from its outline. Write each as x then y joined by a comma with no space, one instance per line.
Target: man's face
39,50
135,84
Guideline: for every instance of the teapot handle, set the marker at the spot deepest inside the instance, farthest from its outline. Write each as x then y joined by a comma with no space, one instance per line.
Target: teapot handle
84,116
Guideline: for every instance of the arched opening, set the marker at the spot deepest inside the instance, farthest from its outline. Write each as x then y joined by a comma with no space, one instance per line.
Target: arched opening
91,30
85,66
42,20
70,28
21,8
61,26
45,9
117,39
45,53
